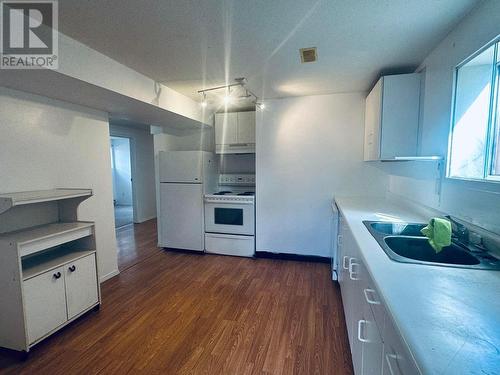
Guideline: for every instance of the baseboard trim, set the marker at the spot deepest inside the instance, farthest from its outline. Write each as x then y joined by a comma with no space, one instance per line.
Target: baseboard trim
109,275
144,219
297,257
185,251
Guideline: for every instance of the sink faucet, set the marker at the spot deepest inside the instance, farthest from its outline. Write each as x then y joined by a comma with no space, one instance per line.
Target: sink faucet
459,231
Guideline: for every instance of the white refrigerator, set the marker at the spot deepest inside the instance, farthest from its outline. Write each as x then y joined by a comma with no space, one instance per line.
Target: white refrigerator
185,176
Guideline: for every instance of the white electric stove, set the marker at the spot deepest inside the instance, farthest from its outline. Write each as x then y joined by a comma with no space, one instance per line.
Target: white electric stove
230,217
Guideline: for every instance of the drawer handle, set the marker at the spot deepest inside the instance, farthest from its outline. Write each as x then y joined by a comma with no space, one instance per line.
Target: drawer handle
72,268
351,269
57,275
361,323
346,267
388,359
368,299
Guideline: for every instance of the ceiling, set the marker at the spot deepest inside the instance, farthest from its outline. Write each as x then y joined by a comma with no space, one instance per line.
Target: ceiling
189,45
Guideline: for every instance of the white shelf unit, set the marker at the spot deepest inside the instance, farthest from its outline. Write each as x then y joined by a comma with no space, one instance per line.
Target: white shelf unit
48,265
7,201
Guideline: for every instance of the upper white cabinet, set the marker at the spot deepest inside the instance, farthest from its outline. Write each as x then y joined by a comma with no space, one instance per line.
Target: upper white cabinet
392,118
246,127
235,132
226,128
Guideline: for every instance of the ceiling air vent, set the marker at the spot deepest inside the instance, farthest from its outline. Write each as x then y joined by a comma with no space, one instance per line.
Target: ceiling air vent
308,55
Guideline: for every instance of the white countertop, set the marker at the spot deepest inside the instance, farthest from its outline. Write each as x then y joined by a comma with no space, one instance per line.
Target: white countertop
449,317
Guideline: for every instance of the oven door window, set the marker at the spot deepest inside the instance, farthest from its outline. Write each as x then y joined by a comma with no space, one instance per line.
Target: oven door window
228,216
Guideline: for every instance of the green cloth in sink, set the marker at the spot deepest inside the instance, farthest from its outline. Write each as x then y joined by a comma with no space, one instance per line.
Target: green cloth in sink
438,231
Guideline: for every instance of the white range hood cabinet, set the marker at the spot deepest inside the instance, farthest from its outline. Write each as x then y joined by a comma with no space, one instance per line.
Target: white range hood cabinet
235,132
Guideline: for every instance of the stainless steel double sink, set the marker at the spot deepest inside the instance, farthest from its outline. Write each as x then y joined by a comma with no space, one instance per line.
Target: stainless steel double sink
403,242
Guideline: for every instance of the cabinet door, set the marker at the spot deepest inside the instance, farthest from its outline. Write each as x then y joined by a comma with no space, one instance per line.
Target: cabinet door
397,359
372,346
400,115
45,303
357,306
81,285
373,118
352,296
226,128
246,127
341,257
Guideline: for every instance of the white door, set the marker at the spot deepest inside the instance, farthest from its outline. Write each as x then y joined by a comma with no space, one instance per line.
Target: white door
182,221
246,127
181,166
226,128
45,302
81,285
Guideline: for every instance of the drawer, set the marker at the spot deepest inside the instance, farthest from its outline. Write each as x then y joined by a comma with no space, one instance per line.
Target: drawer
45,303
397,359
81,285
228,244
372,298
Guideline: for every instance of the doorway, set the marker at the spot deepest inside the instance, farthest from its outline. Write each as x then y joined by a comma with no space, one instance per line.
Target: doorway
121,167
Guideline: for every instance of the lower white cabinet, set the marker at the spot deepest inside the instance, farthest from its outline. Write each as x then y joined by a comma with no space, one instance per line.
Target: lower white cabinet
48,267
54,297
376,346
396,359
372,345
45,303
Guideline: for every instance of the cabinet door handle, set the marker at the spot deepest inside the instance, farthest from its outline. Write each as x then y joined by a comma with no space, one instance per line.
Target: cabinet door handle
346,267
368,299
353,275
389,358
57,275
72,268
361,323
339,240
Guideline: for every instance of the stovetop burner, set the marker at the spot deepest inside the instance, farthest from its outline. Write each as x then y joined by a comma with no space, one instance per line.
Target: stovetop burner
226,192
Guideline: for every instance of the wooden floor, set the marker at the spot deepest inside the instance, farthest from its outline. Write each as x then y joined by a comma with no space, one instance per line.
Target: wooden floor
181,313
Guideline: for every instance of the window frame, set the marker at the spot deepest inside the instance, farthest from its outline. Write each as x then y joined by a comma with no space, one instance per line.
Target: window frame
494,136
493,128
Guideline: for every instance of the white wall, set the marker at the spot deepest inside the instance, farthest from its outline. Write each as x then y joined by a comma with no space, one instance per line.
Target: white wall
237,163
309,149
46,144
143,167
472,201
122,171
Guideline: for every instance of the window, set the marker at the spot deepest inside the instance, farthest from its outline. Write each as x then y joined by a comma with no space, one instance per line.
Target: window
475,137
